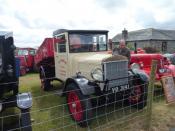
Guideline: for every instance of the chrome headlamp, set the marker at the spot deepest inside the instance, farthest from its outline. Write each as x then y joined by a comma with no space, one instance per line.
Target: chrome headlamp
24,100
162,70
97,74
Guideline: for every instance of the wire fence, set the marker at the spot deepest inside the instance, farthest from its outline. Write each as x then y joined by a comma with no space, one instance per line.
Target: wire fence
126,109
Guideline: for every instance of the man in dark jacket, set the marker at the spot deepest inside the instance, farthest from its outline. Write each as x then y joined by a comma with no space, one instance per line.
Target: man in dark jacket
122,50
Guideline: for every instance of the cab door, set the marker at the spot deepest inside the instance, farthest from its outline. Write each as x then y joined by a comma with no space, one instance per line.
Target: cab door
61,57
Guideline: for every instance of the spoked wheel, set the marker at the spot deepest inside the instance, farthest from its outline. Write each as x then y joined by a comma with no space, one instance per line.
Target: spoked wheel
138,95
25,122
79,105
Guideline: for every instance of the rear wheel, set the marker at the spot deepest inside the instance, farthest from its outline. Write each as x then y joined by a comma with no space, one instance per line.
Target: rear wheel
138,94
79,105
45,84
23,71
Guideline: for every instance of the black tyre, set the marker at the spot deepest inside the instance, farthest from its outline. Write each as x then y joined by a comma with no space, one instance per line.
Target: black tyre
79,105
45,84
25,122
138,94
23,71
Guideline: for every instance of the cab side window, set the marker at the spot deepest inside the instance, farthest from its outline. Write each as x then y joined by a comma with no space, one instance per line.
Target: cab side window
61,47
61,44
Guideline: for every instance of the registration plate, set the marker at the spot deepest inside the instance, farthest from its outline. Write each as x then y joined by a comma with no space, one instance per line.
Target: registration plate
119,88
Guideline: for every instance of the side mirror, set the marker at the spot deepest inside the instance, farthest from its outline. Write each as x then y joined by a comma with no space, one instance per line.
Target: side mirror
62,41
58,40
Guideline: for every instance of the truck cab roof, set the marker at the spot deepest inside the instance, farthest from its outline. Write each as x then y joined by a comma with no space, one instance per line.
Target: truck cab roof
59,31
5,34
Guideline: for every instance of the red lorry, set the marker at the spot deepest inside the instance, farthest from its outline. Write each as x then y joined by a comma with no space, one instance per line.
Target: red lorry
26,56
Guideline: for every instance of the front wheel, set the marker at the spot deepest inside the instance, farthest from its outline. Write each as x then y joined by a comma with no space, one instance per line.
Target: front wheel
138,94
79,105
25,122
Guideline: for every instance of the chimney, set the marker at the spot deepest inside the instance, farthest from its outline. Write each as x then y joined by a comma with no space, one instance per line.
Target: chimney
124,34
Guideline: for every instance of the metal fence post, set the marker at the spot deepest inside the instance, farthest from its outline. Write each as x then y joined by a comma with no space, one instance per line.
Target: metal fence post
151,93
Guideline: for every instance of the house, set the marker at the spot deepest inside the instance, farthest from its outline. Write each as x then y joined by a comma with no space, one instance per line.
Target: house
162,40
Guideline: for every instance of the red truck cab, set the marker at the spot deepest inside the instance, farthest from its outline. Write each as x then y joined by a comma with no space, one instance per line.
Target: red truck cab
26,56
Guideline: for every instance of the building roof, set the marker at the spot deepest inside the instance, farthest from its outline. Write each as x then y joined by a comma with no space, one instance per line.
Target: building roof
147,34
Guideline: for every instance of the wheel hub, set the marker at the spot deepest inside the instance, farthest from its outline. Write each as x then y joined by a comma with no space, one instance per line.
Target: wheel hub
74,105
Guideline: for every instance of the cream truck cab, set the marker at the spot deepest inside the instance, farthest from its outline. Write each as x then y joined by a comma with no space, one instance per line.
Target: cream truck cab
86,68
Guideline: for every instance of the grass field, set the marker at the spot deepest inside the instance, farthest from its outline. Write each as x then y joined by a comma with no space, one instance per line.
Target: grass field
49,108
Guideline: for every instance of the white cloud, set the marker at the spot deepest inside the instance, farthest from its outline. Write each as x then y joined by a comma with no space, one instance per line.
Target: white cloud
33,20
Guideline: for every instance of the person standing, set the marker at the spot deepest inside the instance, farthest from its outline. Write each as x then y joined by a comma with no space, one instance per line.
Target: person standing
122,50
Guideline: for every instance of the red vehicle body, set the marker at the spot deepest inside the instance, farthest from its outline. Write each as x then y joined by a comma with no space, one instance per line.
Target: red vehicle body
44,60
26,56
164,68
45,53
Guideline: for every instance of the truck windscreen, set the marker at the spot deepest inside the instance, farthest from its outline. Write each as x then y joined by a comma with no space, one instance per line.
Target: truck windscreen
22,52
87,43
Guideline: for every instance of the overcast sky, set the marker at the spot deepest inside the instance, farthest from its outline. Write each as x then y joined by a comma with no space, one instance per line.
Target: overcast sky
33,20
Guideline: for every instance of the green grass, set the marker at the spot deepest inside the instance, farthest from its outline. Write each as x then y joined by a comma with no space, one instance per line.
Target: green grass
49,111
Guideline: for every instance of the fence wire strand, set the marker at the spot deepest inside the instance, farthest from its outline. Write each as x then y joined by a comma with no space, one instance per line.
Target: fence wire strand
109,111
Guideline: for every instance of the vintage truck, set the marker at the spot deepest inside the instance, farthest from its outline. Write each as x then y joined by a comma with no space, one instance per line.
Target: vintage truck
86,69
26,56
9,82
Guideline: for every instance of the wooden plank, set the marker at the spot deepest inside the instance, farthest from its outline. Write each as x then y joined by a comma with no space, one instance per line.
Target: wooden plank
169,88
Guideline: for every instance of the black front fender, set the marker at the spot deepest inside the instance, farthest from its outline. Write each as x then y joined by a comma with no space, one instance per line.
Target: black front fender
82,83
141,74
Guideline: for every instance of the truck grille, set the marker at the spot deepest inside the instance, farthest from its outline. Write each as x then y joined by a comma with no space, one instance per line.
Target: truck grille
116,72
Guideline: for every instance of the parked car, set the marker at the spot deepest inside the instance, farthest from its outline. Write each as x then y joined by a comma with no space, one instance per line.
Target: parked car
9,82
26,56
86,69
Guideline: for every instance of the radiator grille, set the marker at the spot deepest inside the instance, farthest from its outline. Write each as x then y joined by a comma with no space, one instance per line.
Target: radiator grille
116,72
